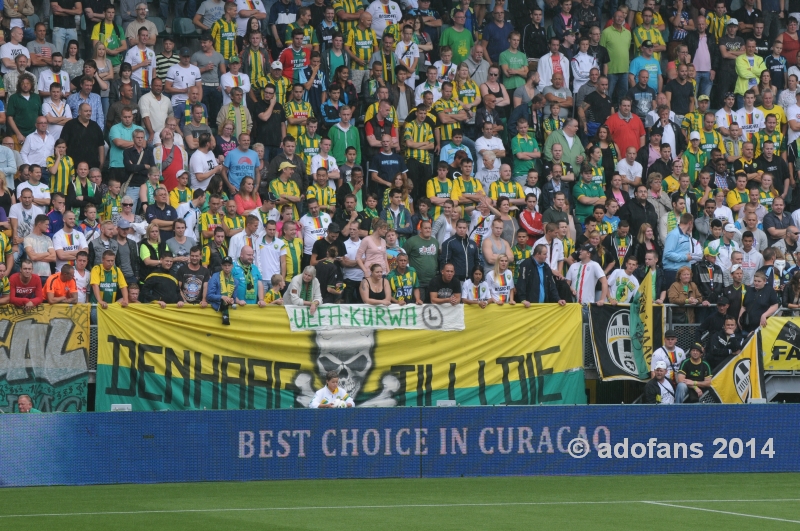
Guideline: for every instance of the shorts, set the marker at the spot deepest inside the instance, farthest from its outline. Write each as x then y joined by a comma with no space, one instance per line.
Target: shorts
635,5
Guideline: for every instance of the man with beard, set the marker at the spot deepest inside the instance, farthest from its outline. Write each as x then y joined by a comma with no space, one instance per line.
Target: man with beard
193,279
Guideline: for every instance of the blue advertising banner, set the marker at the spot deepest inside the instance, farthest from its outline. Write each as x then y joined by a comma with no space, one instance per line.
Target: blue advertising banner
150,447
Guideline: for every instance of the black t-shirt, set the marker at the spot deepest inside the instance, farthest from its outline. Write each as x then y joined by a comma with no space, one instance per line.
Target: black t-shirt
66,21
76,84
599,107
192,283
443,289
777,167
756,302
600,53
269,132
321,246
680,96
732,45
695,372
329,274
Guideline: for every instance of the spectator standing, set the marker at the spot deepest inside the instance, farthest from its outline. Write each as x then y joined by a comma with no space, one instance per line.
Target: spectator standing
617,41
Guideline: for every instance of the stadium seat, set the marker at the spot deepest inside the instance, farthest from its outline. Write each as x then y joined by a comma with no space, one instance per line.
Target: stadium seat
184,28
161,27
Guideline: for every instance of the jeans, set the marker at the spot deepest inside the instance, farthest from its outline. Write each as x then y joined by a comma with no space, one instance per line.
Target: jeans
61,36
133,193
104,101
212,97
617,87
681,390
703,83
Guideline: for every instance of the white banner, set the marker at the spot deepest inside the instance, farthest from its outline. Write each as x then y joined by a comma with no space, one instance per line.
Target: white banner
439,317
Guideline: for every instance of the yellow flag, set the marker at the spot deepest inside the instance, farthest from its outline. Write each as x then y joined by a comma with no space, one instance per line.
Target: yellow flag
741,377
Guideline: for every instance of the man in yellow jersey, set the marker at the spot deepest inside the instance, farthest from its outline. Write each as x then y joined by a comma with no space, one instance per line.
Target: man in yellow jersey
467,191
215,251
360,44
440,189
303,22
348,13
419,143
108,282
212,219
110,34
233,220
285,189
323,193
294,250
223,32
297,112
450,112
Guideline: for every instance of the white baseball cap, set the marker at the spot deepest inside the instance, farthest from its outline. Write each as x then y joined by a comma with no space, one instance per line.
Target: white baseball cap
276,64
660,365
730,227
694,135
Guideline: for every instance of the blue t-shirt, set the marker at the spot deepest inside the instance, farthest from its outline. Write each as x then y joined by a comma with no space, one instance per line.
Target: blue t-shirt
497,39
240,164
653,68
241,290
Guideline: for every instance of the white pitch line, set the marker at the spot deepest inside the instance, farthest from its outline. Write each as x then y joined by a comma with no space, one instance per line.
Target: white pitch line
723,512
399,506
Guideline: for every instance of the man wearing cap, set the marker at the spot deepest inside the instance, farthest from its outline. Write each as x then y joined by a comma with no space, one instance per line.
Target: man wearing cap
725,246
584,275
694,377
285,188
731,46
694,158
659,390
693,121
708,277
649,62
182,76
670,354
211,64
715,321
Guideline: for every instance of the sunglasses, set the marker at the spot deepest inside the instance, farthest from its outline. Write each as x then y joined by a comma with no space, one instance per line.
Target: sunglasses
127,204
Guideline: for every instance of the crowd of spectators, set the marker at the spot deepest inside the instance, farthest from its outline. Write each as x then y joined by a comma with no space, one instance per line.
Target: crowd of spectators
384,153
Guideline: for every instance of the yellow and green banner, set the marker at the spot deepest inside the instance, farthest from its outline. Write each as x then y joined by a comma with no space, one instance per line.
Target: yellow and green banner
781,344
44,354
184,358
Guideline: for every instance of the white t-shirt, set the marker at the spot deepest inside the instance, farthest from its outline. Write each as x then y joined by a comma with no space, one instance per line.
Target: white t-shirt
40,191
247,5
471,292
183,78
384,15
269,256
354,273
554,255
483,144
500,287
313,229
201,163
144,76
273,215
82,282
24,217
724,119
583,278
75,241
47,77
479,228
227,80
661,355
317,162
51,109
10,51
629,172
621,286
793,113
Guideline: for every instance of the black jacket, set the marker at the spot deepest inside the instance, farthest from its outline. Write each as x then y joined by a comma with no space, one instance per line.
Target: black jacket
720,347
463,253
135,164
653,392
637,214
534,40
639,250
160,286
709,327
660,287
710,286
529,283
692,40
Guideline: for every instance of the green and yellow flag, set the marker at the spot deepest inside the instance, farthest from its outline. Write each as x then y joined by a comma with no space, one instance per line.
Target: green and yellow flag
646,332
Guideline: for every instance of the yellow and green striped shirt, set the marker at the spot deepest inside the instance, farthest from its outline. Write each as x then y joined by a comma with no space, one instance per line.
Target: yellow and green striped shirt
309,35
111,206
362,43
255,70
403,286
451,106
762,136
437,188
418,133
716,25
294,257
208,222
510,189
323,194
307,147
234,222
177,196
282,88
59,183
467,92
278,188
351,7
297,109
653,35
223,34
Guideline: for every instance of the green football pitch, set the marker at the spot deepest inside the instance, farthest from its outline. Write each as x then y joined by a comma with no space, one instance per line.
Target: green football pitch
693,501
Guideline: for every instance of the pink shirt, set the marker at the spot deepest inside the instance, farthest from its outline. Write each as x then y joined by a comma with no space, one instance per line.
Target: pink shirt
373,253
702,59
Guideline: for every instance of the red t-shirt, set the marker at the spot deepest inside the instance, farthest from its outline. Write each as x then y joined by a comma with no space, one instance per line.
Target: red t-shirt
625,134
21,293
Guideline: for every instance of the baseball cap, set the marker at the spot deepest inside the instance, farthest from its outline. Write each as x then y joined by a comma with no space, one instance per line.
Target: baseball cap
730,95
694,135
227,260
703,97
730,227
588,248
670,333
734,267
647,44
657,130
235,59
272,197
660,365
276,65
723,301
185,52
334,227
732,22
286,164
697,346
711,251
123,223
205,36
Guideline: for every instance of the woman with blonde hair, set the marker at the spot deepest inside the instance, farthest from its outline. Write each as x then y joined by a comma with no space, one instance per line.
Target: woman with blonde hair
104,70
247,198
468,93
151,250
401,182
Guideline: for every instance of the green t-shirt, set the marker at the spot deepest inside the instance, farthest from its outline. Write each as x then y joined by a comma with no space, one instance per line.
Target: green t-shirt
514,61
24,111
460,42
618,44
525,144
588,190
423,256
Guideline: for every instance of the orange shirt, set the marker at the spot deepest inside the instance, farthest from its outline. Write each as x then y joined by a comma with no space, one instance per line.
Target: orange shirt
59,288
